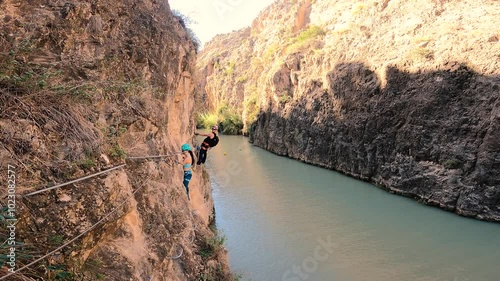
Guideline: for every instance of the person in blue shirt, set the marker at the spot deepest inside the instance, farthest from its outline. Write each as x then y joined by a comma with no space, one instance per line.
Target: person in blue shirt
187,162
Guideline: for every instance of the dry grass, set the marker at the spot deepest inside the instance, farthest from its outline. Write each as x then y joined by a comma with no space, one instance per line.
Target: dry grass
420,54
45,107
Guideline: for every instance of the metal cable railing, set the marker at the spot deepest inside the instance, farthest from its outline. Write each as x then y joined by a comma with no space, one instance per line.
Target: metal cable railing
98,173
103,218
76,237
73,181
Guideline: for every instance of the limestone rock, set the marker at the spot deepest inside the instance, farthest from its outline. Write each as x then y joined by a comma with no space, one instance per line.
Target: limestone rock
64,198
83,84
404,94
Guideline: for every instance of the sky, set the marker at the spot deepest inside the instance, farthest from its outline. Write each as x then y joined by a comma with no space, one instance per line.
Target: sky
219,16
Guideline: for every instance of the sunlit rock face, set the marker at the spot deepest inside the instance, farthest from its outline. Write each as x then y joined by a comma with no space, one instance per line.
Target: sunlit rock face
83,86
404,94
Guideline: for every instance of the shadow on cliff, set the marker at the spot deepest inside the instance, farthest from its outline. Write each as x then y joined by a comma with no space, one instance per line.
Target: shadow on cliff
431,135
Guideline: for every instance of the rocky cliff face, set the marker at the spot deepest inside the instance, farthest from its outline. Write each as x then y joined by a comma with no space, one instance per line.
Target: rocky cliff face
404,94
84,85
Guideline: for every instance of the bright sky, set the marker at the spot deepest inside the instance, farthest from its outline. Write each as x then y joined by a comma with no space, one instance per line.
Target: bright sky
219,16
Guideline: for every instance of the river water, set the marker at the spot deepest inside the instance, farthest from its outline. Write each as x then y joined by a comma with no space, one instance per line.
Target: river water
285,220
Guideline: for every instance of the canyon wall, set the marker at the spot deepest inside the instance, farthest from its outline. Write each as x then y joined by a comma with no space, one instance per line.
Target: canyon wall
403,94
85,86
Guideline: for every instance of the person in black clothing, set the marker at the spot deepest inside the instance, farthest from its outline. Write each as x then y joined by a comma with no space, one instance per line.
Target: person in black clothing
211,140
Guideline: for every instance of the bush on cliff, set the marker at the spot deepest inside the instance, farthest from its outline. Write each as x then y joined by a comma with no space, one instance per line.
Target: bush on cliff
310,38
187,22
206,120
229,121
227,118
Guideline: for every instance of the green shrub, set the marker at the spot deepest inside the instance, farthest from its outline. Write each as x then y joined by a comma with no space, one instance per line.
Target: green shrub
59,272
284,99
231,125
270,52
230,68
226,117
230,122
94,262
313,31
241,79
22,77
257,63
307,39
206,120
114,131
252,108
86,164
117,152
56,240
452,163
213,245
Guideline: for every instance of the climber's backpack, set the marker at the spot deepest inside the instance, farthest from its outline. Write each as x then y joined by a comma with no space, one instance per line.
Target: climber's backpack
214,141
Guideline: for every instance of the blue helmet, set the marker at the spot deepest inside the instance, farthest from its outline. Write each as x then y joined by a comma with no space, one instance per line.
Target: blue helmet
186,147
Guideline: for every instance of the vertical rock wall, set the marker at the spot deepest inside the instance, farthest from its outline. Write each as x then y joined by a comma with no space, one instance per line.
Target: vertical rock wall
83,86
403,94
